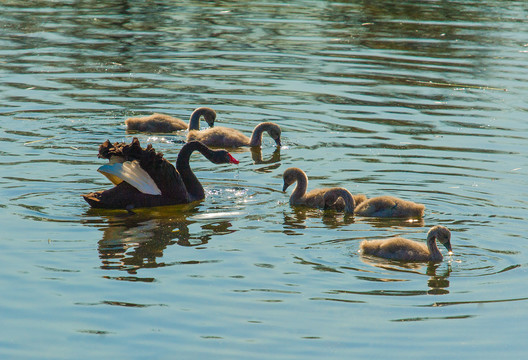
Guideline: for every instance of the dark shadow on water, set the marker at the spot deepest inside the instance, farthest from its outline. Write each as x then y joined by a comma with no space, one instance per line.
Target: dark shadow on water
298,216
132,241
296,219
317,266
384,223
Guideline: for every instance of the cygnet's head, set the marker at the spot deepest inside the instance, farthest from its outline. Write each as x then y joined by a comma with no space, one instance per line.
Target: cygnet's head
443,235
274,131
289,177
210,117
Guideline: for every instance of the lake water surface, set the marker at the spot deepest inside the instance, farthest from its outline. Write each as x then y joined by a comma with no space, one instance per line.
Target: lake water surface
424,100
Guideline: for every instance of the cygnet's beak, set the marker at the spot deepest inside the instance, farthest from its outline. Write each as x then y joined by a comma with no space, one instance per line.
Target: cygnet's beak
278,142
448,247
232,160
284,187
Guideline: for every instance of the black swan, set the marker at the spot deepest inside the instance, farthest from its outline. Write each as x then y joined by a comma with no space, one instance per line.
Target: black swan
144,178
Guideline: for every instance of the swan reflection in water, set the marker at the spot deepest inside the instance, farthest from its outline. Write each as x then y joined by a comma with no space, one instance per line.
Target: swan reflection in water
137,240
271,163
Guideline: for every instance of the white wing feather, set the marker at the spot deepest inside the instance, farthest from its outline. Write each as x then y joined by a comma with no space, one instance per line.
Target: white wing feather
132,173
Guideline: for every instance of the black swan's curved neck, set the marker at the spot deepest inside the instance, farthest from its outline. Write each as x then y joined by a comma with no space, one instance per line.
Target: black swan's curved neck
194,188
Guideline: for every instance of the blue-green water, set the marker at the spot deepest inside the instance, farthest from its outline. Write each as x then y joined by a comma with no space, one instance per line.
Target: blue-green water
422,100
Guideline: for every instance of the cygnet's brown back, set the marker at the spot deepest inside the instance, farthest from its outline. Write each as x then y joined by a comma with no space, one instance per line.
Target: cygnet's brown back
219,136
155,123
396,248
389,206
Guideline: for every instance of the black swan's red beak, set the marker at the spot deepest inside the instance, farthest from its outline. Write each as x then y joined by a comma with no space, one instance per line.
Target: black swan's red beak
232,160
